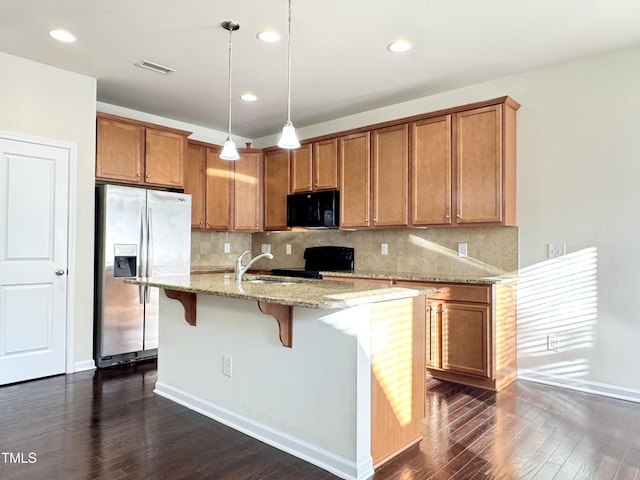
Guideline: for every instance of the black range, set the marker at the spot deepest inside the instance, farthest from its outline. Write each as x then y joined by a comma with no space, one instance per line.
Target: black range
316,259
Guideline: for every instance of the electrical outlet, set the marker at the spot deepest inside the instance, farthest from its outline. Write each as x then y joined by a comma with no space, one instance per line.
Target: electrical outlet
553,343
384,249
287,249
556,250
266,248
227,247
226,365
462,249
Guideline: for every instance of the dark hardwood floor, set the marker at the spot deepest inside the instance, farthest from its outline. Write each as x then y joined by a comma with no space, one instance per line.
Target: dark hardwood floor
109,425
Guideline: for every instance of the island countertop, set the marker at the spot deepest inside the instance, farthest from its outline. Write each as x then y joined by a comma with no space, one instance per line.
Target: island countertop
324,294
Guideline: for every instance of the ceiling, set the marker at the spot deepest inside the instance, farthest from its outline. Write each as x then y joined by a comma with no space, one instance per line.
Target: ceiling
340,64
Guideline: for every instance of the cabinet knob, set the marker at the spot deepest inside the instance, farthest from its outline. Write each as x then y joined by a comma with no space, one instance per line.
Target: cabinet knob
447,217
459,216
148,176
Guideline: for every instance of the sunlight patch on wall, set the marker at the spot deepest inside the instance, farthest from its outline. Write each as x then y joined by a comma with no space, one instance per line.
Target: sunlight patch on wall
558,302
452,254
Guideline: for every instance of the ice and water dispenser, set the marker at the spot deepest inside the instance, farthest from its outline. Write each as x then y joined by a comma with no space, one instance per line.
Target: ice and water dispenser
125,260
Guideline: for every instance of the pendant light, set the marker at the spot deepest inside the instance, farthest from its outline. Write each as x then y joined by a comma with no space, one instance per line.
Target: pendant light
229,151
288,139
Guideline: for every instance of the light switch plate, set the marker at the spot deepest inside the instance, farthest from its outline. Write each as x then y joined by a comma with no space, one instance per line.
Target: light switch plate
266,248
287,249
384,249
462,249
227,247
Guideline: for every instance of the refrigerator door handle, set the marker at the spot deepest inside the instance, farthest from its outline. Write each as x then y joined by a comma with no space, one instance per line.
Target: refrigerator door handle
149,242
143,242
141,294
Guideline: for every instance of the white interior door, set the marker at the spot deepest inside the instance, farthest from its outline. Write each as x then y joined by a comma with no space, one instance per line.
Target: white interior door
33,259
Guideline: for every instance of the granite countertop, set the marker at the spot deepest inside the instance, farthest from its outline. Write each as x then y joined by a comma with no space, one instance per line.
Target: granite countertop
425,277
325,294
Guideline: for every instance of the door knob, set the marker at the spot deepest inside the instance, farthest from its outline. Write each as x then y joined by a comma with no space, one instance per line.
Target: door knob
59,271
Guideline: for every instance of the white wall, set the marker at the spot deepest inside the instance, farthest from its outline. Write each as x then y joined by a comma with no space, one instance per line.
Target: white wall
578,173
48,102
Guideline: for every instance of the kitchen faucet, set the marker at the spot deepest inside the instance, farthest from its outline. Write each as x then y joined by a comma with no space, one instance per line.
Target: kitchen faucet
240,270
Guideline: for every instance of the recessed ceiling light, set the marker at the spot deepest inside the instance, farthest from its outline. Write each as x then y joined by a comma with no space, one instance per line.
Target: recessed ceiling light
248,97
62,35
268,36
399,46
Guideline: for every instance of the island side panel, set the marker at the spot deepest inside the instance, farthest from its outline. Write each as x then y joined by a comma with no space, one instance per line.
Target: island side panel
312,400
398,376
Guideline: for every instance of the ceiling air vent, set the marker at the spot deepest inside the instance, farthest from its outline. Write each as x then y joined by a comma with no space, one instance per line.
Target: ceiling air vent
156,67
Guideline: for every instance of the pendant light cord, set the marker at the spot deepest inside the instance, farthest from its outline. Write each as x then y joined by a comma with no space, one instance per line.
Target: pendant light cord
289,69
230,55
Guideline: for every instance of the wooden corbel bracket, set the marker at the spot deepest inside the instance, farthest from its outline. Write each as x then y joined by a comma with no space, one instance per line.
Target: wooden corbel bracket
284,316
188,301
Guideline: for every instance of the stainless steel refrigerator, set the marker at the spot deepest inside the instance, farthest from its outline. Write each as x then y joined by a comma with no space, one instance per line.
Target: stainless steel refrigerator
139,233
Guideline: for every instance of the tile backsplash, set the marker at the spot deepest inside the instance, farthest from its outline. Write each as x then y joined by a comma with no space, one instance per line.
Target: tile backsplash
207,248
490,250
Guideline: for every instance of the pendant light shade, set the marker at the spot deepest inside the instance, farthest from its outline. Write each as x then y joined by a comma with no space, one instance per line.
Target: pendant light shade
229,151
288,139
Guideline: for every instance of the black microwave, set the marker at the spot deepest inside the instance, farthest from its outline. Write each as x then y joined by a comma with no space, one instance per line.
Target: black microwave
314,209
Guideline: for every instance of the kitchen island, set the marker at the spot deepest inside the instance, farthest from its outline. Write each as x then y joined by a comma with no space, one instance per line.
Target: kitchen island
331,372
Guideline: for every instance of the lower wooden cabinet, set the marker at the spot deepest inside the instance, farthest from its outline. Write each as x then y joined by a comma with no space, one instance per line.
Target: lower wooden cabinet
470,333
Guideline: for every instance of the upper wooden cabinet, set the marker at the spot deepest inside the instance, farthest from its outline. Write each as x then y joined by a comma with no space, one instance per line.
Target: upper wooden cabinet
463,167
485,165
302,169
195,182
430,171
390,186
219,188
247,191
276,188
128,151
225,195
314,166
354,155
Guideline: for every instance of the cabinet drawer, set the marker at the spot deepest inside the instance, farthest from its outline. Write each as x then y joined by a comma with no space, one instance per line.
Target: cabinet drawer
462,293
448,291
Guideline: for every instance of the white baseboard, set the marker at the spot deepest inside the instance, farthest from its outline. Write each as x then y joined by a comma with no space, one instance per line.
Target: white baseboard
297,447
586,386
84,365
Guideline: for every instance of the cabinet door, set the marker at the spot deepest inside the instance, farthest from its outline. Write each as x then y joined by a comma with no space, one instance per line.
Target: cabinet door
219,179
325,164
195,182
276,188
164,158
465,338
433,335
302,169
247,192
430,171
479,191
354,155
390,176
120,151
